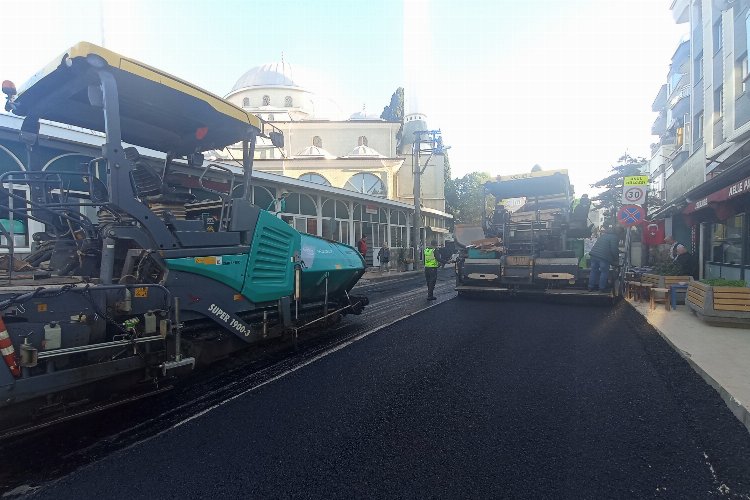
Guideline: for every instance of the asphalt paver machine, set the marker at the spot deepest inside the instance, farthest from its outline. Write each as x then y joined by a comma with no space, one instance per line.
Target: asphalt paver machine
128,285
536,249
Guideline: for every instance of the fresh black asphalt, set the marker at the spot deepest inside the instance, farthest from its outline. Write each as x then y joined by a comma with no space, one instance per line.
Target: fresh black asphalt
469,399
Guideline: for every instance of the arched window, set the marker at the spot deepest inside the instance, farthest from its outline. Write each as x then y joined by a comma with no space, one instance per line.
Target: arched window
266,100
317,141
269,118
264,197
362,141
316,178
366,183
301,212
335,220
246,101
288,102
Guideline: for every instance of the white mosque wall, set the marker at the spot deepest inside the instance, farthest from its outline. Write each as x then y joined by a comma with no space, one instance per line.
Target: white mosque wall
340,138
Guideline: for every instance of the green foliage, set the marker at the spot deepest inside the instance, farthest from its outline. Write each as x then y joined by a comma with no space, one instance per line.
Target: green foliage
668,269
610,199
724,282
465,196
394,112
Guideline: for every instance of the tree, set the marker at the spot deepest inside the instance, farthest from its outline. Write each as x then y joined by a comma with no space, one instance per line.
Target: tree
394,112
448,185
465,197
610,199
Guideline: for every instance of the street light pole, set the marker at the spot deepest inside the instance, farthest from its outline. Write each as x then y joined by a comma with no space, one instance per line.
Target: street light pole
435,146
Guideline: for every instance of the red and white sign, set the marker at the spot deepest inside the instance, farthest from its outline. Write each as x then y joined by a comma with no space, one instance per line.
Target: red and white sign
653,232
634,195
371,209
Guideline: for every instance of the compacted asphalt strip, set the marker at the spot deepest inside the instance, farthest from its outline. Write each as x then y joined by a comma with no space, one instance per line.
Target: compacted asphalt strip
468,399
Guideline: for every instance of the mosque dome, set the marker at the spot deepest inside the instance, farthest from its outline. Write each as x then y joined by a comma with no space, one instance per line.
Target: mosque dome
364,115
364,151
275,74
315,152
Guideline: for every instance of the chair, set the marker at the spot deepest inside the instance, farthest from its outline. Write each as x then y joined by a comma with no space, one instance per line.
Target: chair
660,296
644,291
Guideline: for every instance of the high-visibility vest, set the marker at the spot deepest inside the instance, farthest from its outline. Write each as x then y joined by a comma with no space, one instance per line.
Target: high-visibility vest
429,258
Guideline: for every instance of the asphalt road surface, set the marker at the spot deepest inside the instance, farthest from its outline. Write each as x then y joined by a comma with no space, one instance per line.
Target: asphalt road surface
467,399
53,452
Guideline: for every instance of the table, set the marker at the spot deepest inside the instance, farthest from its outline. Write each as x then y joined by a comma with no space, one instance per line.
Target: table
673,294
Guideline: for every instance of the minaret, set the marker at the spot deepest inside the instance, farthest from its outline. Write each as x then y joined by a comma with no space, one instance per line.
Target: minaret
417,68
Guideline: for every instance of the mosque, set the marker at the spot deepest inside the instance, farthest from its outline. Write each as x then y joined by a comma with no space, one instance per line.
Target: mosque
361,153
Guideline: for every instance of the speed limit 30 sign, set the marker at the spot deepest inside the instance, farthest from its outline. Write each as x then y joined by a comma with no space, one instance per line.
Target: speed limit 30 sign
634,195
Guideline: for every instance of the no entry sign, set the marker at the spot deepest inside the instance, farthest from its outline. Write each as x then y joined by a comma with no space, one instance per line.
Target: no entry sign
630,215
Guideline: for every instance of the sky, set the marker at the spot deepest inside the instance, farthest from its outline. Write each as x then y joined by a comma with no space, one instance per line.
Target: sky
510,83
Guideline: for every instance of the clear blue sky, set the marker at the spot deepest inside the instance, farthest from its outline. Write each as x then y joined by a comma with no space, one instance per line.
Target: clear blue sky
562,83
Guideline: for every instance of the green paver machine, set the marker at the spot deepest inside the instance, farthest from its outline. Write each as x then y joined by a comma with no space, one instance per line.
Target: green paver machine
124,287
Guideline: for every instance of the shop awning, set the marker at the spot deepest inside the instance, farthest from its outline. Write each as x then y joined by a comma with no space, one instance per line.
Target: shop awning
732,191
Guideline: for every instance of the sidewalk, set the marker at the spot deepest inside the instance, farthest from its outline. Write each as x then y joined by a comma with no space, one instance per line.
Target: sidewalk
374,274
721,355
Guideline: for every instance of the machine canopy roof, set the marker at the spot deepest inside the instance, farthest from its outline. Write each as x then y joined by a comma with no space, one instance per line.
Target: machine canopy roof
550,183
157,110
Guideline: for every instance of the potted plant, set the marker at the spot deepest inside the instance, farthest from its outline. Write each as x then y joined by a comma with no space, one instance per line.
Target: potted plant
720,301
665,274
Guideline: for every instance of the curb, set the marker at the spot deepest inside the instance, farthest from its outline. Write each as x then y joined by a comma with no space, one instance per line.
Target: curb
736,407
388,277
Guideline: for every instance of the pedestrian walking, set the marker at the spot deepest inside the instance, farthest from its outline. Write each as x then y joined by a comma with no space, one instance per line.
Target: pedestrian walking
384,256
604,253
430,268
362,246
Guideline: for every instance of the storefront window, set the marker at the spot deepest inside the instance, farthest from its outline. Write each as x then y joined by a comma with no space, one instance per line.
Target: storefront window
726,241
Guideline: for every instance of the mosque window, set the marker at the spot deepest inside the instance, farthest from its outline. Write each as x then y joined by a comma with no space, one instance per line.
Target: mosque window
246,101
362,141
317,141
366,183
316,178
266,100
288,101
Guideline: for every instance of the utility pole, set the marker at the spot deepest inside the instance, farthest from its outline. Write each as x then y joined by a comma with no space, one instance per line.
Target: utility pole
434,144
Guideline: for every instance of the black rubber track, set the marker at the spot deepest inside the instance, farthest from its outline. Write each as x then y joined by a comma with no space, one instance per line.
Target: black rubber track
469,399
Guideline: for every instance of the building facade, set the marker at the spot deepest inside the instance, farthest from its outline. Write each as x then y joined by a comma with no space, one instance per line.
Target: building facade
701,163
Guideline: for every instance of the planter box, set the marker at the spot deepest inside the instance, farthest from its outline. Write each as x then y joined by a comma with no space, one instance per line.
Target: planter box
720,305
662,281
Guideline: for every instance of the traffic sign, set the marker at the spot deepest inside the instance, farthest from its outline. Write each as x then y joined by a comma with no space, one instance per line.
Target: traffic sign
634,195
630,215
636,180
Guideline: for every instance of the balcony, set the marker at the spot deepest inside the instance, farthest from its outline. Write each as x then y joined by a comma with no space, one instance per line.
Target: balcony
660,125
680,11
680,102
660,102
